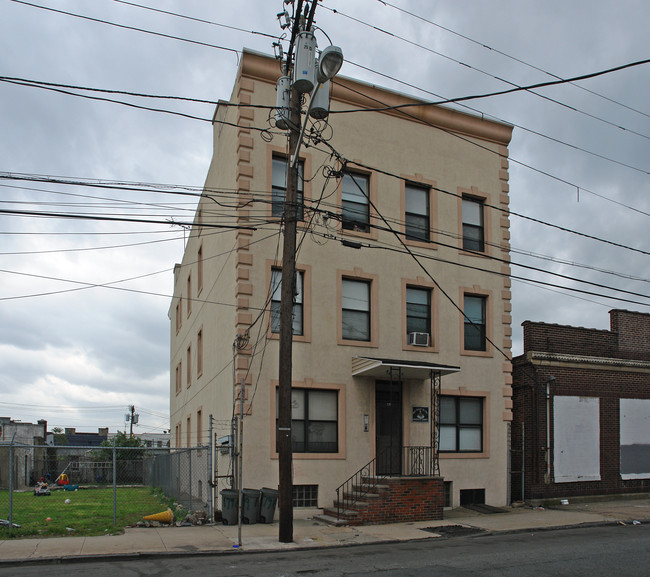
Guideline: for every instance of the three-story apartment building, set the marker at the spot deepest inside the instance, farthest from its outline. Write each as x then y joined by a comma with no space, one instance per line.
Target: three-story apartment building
402,318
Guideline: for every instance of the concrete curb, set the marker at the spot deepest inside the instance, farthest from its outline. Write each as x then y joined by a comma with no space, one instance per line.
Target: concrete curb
93,558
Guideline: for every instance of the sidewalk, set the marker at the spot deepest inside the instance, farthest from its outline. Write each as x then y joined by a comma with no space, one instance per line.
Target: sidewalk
309,533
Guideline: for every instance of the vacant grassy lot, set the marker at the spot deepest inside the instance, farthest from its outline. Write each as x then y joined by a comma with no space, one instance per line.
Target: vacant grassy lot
90,511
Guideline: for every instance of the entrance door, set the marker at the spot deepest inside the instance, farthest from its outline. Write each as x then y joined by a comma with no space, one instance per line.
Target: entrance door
388,440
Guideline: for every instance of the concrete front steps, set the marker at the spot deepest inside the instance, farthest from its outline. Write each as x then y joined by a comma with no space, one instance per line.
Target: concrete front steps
389,500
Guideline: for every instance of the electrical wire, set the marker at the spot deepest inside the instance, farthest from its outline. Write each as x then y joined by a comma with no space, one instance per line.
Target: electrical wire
509,56
133,28
516,86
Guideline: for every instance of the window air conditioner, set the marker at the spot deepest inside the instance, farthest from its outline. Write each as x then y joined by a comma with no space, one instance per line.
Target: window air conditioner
418,339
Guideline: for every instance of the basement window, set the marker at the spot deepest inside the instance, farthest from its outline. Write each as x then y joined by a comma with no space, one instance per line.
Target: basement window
305,496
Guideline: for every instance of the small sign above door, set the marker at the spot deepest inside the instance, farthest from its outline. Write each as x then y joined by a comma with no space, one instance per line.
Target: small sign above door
420,414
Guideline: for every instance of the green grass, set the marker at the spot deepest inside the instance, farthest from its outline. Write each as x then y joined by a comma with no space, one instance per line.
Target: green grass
90,511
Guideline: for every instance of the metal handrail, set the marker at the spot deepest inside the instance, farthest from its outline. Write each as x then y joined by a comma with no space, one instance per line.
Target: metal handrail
354,486
417,461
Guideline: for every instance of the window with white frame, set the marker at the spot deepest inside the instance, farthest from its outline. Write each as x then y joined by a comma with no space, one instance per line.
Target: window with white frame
473,225
355,309
355,204
276,293
279,187
461,424
416,209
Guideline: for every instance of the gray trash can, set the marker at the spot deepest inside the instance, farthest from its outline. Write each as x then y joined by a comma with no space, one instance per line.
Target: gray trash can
268,502
251,506
229,506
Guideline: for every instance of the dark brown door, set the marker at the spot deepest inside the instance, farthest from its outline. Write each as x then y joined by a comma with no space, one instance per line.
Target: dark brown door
388,439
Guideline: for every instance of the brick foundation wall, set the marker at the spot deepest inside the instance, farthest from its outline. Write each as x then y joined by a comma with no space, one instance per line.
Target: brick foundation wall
406,499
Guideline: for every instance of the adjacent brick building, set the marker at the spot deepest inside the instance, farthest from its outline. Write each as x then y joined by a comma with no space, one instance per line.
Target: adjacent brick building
582,409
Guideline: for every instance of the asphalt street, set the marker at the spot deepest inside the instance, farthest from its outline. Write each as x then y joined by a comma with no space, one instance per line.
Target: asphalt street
576,552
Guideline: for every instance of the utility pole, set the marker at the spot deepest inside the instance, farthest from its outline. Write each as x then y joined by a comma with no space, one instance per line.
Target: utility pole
285,494
133,418
291,120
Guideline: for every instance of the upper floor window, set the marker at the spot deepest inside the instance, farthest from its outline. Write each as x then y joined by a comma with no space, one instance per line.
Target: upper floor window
418,313
475,322
189,295
199,270
199,220
355,204
179,377
279,187
417,211
276,292
199,353
461,424
473,227
188,366
355,309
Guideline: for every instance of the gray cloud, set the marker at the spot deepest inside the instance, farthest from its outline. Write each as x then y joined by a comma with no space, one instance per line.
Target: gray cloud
110,348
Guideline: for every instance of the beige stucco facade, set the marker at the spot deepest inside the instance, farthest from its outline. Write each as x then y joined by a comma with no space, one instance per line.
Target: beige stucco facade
225,278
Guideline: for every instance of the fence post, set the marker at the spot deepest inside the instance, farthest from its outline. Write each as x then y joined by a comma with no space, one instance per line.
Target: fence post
114,482
210,473
11,483
189,449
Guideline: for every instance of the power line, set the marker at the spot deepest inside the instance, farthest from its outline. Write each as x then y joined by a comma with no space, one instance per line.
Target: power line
201,20
134,28
115,219
510,158
509,56
43,84
517,87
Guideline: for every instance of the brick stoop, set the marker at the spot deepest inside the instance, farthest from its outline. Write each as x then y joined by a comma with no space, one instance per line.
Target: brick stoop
395,500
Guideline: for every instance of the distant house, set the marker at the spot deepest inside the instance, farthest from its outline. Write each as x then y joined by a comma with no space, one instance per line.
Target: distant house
150,440
582,409
25,436
76,439
22,433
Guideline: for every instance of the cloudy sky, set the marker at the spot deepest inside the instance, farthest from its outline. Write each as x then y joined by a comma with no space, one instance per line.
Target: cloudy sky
84,330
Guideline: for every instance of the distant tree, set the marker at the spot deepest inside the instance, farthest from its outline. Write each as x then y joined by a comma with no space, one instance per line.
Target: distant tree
128,451
59,436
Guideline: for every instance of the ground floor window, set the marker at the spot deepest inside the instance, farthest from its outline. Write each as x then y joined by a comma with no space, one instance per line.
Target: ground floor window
314,421
461,424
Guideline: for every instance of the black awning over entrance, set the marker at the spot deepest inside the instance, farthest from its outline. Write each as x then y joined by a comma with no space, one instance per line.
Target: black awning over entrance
381,368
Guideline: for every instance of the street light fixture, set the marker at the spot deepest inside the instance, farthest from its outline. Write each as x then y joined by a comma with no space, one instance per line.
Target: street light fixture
329,64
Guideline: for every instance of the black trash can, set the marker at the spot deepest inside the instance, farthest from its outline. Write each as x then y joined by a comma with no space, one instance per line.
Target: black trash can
229,506
251,506
268,501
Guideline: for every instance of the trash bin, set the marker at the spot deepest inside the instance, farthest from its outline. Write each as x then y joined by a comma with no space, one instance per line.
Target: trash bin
229,506
251,506
268,502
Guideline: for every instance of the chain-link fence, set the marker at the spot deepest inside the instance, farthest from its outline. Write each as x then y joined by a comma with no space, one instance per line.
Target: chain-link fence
192,476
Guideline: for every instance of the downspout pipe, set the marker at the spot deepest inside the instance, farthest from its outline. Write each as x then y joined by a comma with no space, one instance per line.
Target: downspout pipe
550,380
